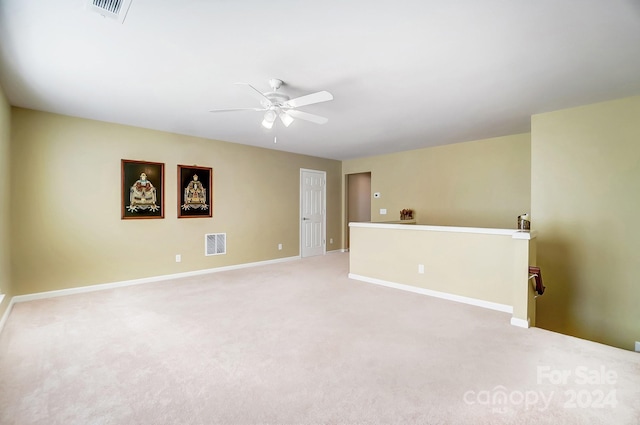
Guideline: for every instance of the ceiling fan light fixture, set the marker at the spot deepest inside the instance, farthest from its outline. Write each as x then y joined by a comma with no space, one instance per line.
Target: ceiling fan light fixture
285,118
269,119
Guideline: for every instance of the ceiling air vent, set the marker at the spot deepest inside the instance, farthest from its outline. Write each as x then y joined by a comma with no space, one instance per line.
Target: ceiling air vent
113,9
215,244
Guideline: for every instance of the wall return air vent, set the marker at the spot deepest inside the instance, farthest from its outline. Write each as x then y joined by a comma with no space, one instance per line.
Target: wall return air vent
215,244
113,9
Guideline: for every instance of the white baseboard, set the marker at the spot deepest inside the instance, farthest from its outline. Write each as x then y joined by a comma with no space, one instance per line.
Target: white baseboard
521,323
335,251
5,316
103,286
437,294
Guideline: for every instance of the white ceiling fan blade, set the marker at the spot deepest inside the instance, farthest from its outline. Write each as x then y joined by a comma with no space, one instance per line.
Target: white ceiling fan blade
307,116
237,109
264,100
321,96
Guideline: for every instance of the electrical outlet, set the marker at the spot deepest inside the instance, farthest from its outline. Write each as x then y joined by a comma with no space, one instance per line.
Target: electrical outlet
383,211
178,258
421,268
279,247
638,346
330,240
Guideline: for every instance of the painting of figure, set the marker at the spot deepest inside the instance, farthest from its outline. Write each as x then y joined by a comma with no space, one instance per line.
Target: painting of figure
195,186
142,189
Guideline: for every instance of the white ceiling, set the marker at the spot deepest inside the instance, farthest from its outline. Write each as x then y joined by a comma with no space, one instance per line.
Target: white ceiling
404,74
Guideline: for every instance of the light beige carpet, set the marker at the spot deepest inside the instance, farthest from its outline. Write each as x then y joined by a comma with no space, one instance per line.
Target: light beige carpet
298,343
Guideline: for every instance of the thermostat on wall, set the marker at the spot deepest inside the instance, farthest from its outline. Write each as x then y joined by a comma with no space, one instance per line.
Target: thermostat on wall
376,195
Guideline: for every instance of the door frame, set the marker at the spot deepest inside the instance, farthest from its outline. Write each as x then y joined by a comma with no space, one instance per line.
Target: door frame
324,208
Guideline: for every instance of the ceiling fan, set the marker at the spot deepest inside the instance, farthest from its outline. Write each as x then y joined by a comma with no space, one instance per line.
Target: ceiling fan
278,105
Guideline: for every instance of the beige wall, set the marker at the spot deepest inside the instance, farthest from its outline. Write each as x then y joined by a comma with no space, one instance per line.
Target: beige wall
585,203
66,180
486,267
5,133
394,255
484,183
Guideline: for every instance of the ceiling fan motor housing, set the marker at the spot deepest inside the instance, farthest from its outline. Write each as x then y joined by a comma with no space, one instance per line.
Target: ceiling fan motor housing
276,98
275,83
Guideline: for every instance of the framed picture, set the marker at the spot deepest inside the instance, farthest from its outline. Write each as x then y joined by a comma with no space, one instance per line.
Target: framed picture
195,191
142,189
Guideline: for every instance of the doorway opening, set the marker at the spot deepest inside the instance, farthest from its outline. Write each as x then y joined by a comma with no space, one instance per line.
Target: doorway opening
358,202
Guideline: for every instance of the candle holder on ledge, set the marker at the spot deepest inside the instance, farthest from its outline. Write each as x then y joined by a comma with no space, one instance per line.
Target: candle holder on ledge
406,214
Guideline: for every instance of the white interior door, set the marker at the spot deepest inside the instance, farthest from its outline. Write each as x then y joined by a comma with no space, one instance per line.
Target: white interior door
312,212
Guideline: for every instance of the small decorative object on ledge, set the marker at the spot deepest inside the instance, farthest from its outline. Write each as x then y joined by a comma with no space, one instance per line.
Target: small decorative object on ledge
523,222
406,214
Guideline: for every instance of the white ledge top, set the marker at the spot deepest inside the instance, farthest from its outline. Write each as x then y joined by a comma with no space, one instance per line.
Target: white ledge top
515,234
